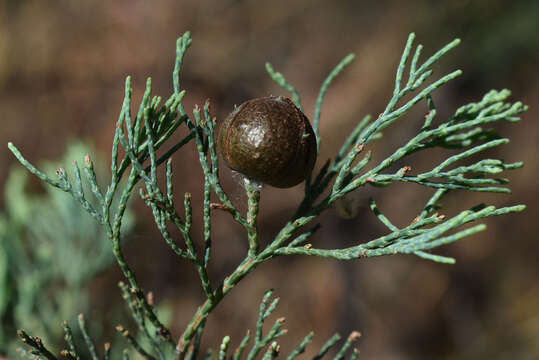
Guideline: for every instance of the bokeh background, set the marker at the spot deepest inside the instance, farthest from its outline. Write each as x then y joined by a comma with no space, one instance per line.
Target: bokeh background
62,69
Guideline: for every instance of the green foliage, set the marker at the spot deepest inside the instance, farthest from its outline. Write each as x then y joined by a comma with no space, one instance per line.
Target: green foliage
5,291
140,136
49,251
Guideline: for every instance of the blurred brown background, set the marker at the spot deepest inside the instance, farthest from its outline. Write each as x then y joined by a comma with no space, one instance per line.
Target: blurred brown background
62,69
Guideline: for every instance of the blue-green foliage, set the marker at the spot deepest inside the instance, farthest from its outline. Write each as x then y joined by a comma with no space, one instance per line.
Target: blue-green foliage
142,135
50,249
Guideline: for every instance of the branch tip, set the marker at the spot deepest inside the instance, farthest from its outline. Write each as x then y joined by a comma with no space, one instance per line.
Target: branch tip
354,336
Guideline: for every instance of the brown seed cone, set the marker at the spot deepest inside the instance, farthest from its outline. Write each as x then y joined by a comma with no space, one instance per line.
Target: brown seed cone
268,140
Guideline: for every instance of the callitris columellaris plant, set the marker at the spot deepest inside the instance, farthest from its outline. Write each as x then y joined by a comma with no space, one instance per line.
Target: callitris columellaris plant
143,133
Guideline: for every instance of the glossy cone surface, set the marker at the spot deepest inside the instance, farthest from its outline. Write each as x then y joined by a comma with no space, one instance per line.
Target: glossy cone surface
268,140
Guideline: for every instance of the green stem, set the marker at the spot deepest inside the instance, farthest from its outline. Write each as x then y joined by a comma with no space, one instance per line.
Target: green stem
203,311
113,233
253,200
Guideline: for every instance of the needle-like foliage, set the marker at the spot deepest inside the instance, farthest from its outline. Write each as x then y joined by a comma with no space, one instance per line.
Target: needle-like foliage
139,136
